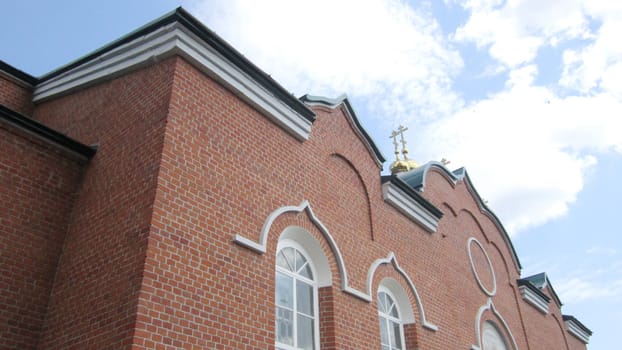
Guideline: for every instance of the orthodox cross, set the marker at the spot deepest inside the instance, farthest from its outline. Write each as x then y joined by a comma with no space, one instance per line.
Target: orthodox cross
401,130
394,137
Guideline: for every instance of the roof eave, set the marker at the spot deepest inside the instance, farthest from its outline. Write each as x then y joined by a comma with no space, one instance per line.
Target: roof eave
196,27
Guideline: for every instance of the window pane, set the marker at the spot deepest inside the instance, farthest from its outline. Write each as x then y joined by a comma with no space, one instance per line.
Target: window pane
306,271
305,332
381,303
386,347
281,261
304,298
384,333
300,260
289,254
284,290
394,311
396,333
284,326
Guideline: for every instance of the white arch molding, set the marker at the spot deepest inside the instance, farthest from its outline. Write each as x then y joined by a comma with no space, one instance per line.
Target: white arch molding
478,326
260,247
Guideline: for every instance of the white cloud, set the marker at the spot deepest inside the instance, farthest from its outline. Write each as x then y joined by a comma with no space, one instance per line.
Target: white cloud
363,48
514,30
600,250
576,290
527,147
598,66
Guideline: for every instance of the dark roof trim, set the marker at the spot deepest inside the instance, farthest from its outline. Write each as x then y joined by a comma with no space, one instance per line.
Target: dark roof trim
221,46
25,77
526,283
541,280
332,103
46,133
577,322
413,194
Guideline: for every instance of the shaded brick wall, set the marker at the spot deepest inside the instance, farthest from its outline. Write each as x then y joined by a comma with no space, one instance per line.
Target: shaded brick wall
94,298
38,183
16,96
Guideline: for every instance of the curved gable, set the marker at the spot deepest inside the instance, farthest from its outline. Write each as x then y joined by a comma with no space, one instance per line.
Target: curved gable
416,179
342,100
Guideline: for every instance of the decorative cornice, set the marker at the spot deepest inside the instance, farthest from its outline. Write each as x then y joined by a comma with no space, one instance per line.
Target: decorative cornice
175,39
539,282
410,206
577,329
534,299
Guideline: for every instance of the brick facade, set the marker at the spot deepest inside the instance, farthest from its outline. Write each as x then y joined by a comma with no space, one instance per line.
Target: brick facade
149,235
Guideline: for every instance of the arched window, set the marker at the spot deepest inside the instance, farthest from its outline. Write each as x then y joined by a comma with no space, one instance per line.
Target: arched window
391,329
492,338
297,323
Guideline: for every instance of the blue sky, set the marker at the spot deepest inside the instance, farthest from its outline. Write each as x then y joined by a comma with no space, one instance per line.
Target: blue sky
526,94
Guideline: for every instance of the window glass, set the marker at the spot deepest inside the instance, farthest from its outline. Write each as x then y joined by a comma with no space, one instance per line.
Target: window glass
296,299
391,330
284,290
492,338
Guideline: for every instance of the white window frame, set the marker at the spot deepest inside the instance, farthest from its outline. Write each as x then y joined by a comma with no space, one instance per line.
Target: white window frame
387,317
314,283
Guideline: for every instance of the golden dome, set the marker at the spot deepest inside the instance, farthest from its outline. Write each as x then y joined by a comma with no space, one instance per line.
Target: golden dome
399,166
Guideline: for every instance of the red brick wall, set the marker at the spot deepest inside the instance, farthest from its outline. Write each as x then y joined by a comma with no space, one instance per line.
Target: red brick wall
94,299
16,96
183,165
37,190
225,168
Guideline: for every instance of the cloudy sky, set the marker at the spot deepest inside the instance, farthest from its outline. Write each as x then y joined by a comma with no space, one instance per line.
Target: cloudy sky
526,94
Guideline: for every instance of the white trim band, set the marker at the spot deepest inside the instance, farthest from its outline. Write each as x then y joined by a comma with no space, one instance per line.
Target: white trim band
577,331
409,207
170,40
534,299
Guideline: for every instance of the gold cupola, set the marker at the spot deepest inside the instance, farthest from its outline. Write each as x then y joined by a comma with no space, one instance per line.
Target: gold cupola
401,165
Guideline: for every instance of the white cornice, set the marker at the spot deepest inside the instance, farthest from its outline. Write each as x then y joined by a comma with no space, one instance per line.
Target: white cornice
409,207
577,331
167,41
534,299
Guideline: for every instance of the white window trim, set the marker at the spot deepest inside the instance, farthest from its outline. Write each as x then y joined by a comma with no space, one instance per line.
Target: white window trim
316,309
400,319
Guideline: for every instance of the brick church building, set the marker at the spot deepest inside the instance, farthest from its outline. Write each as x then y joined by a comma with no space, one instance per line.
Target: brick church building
163,192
